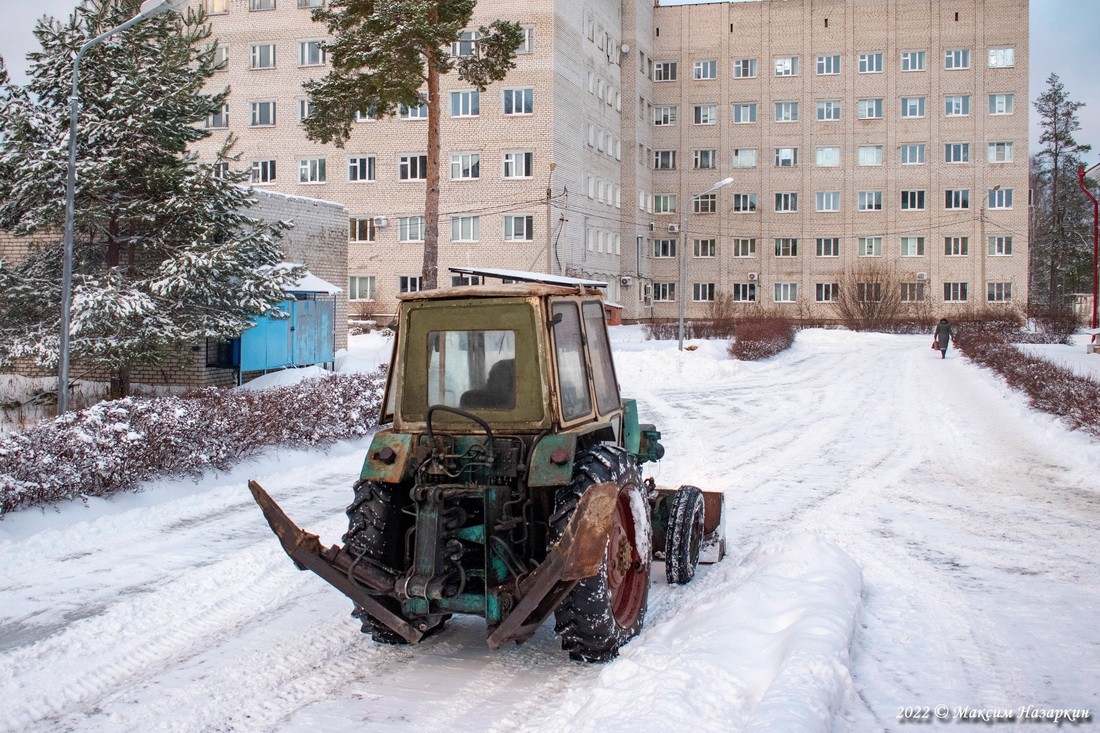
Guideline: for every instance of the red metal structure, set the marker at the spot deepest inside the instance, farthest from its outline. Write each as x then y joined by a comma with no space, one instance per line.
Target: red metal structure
1095,242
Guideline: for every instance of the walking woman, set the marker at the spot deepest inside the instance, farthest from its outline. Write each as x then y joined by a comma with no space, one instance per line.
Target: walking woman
943,337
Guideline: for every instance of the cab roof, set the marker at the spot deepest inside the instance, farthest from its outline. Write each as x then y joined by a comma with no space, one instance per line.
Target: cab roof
498,290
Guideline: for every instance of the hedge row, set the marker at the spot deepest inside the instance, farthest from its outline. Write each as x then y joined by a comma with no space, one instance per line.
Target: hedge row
759,338
115,446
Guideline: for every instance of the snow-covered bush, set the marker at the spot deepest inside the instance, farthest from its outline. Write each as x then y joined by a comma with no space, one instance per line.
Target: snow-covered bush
116,445
759,338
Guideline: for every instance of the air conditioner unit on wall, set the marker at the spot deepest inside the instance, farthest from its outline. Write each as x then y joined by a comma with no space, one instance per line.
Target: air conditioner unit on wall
626,280
381,221
674,228
922,275
754,276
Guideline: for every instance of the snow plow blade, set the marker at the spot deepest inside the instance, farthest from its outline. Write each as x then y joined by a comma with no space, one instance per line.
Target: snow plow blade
714,528
358,582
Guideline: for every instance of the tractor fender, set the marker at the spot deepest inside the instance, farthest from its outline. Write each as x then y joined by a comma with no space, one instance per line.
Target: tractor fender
551,462
387,460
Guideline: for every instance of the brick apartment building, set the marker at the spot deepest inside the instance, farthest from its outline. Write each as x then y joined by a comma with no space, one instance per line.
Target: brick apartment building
891,132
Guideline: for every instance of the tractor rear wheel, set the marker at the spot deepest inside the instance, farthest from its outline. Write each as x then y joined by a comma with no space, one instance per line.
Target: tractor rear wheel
374,536
684,535
605,611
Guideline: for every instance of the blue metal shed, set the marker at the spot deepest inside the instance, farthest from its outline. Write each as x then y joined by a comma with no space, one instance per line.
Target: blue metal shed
306,336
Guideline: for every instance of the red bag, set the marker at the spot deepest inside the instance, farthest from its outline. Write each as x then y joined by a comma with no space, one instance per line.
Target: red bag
936,345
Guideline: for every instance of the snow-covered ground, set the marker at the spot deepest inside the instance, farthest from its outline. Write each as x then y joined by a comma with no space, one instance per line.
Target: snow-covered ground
1074,357
902,532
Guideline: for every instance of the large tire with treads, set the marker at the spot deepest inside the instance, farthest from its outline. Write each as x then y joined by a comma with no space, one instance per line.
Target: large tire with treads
605,611
374,536
684,535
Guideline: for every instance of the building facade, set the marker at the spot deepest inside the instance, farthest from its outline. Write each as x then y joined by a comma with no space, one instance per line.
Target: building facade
773,150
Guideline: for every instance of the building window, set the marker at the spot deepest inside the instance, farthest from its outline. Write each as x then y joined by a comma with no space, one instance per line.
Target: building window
412,168
703,159
465,166
827,65
744,158
786,66
870,247
957,105
664,116
705,248
362,230
744,113
1000,104
958,58
786,292
408,284
465,45
912,60
957,153
215,6
361,168
465,228
1000,58
870,63
786,202
786,247
912,200
869,292
311,3
786,111
958,198
664,292
1000,152
519,228
221,57
219,118
827,292
664,203
220,169
702,292
419,112
869,154
664,248
870,201
870,109
744,68
466,104
998,292
744,247
528,44
954,292
786,157
912,154
410,229
828,246
828,200
706,203
262,56
519,101
311,170
361,287
744,292
956,246
664,71
664,160
744,203
1000,198
706,114
1000,246
828,157
912,106
458,281
361,116
828,109
706,70
311,53
912,246
518,164
912,292
263,171
261,4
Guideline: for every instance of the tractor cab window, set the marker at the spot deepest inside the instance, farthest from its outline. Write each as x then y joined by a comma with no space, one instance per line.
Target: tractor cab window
472,369
603,371
576,401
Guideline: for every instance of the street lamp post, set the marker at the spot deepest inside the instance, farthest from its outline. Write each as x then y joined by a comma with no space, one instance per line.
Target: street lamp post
1081,173
683,254
149,9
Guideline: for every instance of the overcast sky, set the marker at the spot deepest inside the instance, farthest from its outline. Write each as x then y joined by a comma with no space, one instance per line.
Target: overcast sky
1065,39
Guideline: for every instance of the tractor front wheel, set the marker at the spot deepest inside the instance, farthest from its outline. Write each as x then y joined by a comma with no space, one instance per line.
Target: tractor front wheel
684,536
605,611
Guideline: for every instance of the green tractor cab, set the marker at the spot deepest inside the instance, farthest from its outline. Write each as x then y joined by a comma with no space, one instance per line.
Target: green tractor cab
509,485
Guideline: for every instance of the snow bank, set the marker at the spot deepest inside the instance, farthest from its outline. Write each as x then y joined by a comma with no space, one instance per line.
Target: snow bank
763,647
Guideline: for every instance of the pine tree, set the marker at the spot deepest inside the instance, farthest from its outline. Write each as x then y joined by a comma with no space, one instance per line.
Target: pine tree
165,254
1060,226
390,53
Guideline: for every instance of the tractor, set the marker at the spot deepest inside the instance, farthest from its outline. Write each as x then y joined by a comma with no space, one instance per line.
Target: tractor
509,484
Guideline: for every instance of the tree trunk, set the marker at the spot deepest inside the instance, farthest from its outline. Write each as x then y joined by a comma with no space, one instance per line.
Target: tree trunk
120,383
430,270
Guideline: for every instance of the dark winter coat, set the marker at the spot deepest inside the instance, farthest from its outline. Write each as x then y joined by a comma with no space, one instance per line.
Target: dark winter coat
943,334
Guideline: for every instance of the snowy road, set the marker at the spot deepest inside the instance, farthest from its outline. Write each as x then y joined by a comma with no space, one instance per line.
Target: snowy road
879,499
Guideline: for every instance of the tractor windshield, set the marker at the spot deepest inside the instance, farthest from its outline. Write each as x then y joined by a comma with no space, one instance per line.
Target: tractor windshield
472,369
